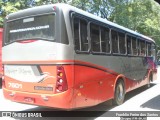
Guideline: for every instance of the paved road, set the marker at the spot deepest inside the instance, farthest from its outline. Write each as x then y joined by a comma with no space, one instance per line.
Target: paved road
141,99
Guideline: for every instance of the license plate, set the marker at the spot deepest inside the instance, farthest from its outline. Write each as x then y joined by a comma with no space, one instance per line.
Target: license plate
29,100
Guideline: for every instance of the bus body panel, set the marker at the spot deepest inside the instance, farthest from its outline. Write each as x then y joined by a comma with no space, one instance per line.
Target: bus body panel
93,85
36,51
63,100
41,93
20,79
134,68
83,91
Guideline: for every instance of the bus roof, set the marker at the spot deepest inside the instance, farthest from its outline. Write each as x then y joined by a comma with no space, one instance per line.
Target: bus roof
66,7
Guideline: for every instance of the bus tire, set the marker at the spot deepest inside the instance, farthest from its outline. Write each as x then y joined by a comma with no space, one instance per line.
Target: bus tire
119,94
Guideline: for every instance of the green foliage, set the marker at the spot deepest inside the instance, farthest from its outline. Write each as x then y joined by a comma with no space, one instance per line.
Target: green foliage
141,16
10,6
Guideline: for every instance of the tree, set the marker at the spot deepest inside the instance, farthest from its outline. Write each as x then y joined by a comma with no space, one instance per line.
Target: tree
11,6
140,16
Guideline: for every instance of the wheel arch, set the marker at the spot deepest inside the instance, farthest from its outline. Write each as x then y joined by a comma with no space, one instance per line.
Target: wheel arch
120,78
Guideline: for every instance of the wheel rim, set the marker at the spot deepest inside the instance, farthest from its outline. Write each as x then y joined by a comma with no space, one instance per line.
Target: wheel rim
120,92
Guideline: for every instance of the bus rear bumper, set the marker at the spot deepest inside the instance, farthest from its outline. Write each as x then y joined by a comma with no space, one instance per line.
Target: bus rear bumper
59,100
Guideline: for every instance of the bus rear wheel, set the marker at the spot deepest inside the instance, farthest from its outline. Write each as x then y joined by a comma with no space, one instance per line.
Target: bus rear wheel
119,93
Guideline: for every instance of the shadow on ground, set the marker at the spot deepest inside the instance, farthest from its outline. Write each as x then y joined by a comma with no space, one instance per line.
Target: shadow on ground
137,91
153,103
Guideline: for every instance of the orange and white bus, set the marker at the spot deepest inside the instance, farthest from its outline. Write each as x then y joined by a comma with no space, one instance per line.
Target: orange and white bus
62,57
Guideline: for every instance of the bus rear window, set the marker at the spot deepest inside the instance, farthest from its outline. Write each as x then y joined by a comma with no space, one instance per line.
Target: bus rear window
36,27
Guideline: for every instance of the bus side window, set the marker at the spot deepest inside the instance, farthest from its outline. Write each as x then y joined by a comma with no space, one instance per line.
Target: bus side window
95,38
76,35
122,46
134,46
149,49
142,48
129,45
105,41
83,35
115,42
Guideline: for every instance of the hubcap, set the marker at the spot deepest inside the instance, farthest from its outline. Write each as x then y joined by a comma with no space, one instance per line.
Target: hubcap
120,92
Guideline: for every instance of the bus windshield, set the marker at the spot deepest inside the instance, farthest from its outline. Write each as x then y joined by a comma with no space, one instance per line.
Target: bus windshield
35,27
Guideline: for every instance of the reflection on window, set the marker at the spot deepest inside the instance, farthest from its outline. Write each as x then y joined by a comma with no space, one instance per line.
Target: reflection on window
134,46
105,42
114,41
129,47
95,38
122,47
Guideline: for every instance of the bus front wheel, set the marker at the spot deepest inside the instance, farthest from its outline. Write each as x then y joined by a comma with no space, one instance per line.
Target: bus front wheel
119,93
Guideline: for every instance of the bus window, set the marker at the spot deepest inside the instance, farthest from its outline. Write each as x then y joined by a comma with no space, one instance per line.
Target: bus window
134,46
105,41
122,46
148,49
129,45
114,41
80,34
76,34
36,27
83,35
95,39
142,48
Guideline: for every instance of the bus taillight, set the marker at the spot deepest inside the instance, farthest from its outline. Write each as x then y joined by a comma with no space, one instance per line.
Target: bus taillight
3,82
61,84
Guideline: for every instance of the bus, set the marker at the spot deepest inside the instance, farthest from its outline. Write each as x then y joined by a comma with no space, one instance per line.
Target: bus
1,32
62,57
